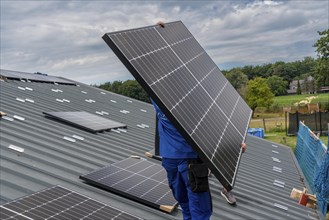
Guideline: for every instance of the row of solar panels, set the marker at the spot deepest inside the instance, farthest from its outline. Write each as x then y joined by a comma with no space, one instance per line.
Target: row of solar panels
135,178
190,89
60,203
33,77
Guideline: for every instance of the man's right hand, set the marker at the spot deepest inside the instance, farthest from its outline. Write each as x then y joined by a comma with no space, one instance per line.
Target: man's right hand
244,147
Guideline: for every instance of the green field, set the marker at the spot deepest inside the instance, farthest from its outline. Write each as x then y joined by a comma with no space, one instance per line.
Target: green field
281,138
274,122
289,100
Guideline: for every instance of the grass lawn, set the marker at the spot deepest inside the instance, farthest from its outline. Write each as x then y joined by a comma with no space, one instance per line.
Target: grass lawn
290,141
288,100
281,138
275,130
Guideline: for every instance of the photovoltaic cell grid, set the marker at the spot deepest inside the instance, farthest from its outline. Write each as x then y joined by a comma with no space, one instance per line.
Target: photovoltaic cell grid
34,77
86,120
137,179
60,203
190,89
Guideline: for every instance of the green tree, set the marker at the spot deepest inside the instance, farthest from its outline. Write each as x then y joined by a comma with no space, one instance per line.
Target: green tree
237,78
308,85
322,49
106,86
299,90
277,85
258,94
322,44
116,87
130,88
248,71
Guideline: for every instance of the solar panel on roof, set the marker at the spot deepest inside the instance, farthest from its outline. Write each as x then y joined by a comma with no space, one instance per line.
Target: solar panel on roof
86,120
190,89
137,179
34,77
60,203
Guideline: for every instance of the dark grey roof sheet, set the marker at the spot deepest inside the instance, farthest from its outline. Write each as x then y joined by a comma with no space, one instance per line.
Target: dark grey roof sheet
48,159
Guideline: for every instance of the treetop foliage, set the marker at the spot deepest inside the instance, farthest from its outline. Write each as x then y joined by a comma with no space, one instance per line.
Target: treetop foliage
322,44
258,93
130,88
322,68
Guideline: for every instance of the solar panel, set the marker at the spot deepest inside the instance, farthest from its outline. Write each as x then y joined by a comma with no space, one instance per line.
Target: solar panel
86,120
137,179
60,203
190,89
34,77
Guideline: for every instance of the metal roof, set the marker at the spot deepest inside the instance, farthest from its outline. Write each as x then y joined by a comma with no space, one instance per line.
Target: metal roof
50,159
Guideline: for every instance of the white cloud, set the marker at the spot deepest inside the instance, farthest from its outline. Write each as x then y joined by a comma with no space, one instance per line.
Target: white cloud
264,3
64,37
77,61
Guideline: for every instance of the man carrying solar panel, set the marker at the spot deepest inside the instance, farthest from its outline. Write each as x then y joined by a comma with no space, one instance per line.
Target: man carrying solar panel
177,155
187,175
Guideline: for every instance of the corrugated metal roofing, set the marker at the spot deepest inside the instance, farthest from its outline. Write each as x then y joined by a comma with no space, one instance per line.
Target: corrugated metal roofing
50,159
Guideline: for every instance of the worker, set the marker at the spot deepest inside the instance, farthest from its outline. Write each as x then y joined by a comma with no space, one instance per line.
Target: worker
177,158
176,155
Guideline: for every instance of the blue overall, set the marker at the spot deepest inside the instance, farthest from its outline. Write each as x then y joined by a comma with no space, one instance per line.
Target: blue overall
176,152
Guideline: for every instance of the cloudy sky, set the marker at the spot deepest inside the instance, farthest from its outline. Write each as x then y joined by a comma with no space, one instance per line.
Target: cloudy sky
64,37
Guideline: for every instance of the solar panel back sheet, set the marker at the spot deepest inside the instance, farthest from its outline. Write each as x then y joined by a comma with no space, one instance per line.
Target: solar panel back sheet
190,89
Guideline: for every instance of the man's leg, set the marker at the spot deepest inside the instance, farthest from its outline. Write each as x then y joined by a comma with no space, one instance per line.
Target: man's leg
177,185
200,204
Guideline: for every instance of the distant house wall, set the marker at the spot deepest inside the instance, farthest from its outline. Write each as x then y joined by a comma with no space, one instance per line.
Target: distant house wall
306,87
324,89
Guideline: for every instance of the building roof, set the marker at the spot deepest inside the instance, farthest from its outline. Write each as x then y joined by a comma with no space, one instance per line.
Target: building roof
49,159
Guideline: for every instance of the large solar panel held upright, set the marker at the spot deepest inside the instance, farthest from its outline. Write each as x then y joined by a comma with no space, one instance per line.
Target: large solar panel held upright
190,89
58,202
137,179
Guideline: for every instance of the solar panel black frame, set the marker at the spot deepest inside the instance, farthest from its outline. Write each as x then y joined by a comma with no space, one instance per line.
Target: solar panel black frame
137,179
153,155
151,59
34,77
157,138
58,202
86,121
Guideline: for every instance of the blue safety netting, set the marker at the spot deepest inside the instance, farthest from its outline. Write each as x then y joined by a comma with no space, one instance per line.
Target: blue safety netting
313,158
321,184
